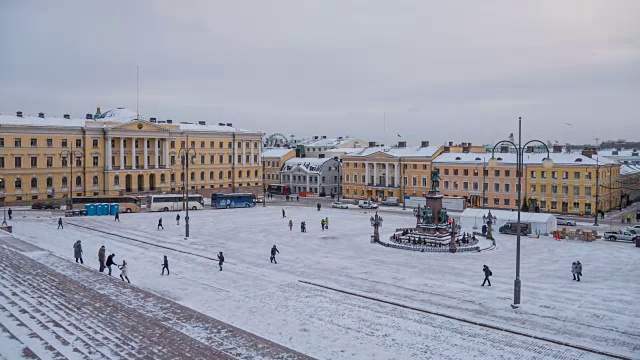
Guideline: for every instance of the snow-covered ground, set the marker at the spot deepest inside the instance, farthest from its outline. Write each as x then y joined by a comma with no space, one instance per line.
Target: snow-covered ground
600,312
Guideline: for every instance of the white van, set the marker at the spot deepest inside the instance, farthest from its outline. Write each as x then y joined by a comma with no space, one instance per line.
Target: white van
390,201
366,204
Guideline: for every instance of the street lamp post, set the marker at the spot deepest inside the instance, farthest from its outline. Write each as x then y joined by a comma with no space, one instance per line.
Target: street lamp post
339,177
597,168
404,202
4,203
484,176
376,222
186,156
71,154
547,163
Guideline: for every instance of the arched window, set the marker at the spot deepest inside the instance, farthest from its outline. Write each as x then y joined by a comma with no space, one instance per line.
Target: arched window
49,182
256,174
162,178
173,178
240,174
78,162
181,176
116,180
78,180
64,182
34,183
202,176
18,184
248,174
193,176
95,181
220,175
211,175
228,174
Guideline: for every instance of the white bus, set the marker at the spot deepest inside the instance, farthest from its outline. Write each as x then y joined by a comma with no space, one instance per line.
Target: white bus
170,202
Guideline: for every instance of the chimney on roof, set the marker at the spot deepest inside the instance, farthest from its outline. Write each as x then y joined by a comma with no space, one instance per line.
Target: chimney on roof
504,149
19,114
66,116
464,144
446,149
41,115
450,143
339,137
557,149
229,124
316,137
324,136
402,144
153,120
89,117
372,144
169,121
634,152
202,122
424,143
220,124
588,151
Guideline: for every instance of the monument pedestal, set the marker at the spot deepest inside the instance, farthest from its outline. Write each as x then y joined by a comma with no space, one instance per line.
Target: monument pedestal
434,201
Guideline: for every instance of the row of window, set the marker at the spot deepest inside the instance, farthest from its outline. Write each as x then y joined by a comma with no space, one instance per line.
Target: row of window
303,178
383,166
275,164
212,144
17,162
212,159
17,184
17,142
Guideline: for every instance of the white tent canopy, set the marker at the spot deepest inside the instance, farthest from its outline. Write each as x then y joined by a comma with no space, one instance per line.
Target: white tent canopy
541,223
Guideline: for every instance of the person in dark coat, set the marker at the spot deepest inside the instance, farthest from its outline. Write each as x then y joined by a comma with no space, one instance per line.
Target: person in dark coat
290,224
220,260
165,265
484,230
110,262
160,224
177,219
573,269
487,273
322,224
283,214
318,206
60,224
10,212
77,251
117,218
274,250
297,197
101,254
578,270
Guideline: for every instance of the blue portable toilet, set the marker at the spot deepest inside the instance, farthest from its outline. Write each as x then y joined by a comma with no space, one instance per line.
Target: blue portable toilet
114,209
105,209
91,209
100,209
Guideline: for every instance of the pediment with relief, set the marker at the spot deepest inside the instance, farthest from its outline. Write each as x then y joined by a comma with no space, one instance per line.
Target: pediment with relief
139,126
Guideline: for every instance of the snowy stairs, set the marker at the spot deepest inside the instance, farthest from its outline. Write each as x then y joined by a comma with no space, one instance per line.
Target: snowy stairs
58,321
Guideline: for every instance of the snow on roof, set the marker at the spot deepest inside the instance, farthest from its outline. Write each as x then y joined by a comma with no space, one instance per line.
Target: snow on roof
414,151
329,142
119,114
311,165
30,120
341,151
629,169
276,152
510,158
217,128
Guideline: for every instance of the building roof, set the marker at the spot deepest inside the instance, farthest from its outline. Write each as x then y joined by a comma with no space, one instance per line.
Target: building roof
404,152
213,127
30,120
629,169
336,142
310,165
276,152
510,158
119,114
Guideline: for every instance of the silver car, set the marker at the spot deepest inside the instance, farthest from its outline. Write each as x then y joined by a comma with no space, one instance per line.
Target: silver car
564,221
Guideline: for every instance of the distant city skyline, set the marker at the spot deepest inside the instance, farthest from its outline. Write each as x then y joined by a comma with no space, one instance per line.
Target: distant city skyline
428,70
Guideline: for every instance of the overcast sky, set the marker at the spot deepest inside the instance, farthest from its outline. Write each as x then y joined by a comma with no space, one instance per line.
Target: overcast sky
440,70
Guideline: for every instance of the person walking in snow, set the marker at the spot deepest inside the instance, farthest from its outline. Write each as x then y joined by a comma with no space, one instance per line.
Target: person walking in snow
77,251
484,230
160,224
60,224
578,270
110,262
297,197
177,219
283,214
322,224
117,218
573,269
220,260
290,225
318,206
487,273
101,254
165,265
10,212
274,250
124,271
326,223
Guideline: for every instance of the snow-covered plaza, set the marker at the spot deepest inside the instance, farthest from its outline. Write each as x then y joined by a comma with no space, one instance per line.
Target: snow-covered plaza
279,301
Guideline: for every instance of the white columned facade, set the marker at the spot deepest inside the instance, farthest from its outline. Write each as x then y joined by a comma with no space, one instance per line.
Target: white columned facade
308,180
397,174
121,153
145,152
166,153
108,148
375,174
366,173
244,147
156,153
251,156
386,173
133,153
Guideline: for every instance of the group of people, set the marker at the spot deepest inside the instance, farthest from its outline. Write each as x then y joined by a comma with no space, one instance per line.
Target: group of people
576,270
109,262
290,197
324,223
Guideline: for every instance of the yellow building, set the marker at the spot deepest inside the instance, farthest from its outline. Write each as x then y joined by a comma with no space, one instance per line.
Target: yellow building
377,173
568,187
273,159
115,153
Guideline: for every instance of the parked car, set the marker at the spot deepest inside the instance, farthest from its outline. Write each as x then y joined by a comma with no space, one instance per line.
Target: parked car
512,228
366,204
635,228
564,221
339,205
620,235
49,205
390,201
